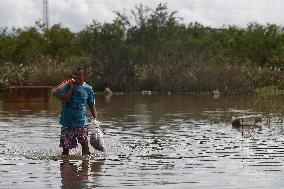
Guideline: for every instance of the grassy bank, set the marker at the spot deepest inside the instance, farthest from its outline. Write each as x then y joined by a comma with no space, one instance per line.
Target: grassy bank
156,53
196,79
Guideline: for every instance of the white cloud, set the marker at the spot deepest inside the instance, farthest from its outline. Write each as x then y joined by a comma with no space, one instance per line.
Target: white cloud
19,13
76,14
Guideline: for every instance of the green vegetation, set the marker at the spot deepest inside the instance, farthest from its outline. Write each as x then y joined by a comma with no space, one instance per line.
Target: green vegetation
155,51
271,90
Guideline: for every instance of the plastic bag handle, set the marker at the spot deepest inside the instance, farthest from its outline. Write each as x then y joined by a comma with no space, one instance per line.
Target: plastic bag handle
96,126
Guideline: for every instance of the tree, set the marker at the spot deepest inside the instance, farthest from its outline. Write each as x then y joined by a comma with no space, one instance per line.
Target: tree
60,43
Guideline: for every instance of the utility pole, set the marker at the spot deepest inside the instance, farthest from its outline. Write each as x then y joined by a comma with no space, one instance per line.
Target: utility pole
45,14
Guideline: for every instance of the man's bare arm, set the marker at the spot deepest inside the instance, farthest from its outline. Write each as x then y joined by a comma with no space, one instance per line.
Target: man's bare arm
93,111
64,98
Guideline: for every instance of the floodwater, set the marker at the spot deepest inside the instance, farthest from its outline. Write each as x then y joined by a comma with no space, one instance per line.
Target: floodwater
152,142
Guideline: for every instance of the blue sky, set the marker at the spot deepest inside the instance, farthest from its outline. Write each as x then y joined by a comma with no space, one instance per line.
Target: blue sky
76,14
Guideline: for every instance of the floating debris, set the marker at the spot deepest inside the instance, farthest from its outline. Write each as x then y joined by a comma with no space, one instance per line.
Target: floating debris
247,121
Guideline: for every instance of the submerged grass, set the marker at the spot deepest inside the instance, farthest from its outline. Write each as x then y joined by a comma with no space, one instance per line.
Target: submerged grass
269,90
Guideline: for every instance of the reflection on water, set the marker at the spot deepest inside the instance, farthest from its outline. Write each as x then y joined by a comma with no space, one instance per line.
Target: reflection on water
152,141
77,176
25,107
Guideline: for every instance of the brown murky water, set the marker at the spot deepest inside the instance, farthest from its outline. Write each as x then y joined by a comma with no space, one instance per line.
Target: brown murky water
151,141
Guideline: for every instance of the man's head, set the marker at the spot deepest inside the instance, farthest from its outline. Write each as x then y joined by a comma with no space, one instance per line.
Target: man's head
79,76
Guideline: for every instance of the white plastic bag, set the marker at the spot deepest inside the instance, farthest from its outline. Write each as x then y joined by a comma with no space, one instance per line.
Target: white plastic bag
96,139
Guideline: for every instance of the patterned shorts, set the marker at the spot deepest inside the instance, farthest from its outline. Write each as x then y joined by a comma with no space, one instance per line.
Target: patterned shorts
70,135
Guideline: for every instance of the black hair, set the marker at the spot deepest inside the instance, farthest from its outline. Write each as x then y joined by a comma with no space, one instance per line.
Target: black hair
79,69
83,69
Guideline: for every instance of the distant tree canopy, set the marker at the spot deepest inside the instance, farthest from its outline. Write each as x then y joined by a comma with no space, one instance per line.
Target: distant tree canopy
151,49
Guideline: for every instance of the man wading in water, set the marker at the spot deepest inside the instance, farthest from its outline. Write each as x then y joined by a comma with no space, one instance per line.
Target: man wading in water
75,96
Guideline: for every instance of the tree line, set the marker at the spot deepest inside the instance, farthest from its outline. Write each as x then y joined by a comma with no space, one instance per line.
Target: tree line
149,49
